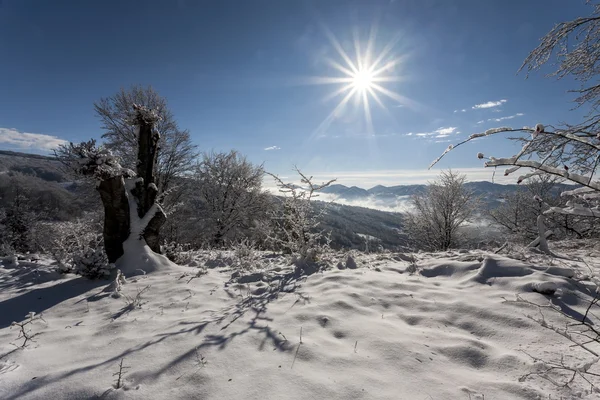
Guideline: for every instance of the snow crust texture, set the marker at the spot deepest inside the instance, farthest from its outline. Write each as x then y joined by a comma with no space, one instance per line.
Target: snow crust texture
444,331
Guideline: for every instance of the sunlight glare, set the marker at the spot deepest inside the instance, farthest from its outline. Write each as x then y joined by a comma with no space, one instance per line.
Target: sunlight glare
362,78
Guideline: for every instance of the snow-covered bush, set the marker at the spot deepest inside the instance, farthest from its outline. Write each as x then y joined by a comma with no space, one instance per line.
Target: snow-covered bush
6,250
178,253
440,212
245,254
64,240
91,261
296,225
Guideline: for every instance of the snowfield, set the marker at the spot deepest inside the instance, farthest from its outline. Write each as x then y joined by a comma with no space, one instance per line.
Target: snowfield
449,330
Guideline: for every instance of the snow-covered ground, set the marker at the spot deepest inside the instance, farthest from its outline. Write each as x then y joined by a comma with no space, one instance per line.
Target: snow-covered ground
450,330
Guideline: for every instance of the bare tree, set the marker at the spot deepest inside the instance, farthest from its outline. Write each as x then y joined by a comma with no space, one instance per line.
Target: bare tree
229,190
570,151
175,153
131,206
297,225
440,212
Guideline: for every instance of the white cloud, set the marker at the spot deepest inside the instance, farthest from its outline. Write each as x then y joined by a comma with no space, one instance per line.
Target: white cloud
463,110
24,140
440,132
446,131
480,122
489,104
272,148
507,117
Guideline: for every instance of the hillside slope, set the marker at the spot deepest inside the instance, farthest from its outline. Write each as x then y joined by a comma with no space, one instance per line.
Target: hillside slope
43,167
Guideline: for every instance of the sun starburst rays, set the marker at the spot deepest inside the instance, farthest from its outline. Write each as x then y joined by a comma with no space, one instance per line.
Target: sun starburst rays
361,78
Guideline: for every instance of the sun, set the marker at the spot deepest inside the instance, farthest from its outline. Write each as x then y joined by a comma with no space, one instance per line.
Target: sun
362,77
362,80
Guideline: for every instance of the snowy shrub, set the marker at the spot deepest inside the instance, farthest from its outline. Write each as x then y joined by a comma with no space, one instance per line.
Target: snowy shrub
91,261
296,225
131,303
6,250
63,240
178,253
245,254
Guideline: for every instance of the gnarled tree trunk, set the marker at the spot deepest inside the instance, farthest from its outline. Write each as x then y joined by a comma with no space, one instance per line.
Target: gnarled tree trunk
116,216
146,190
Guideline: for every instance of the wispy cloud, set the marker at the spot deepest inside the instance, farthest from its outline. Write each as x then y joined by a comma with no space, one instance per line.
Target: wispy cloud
446,131
507,117
438,133
489,104
24,140
272,148
463,110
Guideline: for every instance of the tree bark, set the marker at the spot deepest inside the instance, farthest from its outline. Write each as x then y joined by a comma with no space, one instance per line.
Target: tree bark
116,216
146,190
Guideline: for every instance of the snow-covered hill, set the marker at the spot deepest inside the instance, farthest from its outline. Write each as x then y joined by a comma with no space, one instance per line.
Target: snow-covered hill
438,326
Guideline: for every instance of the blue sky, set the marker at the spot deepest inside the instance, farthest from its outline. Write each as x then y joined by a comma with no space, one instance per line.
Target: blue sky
241,74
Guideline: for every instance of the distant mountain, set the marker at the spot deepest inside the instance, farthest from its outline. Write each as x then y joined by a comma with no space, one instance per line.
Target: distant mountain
44,167
352,192
390,197
394,191
25,155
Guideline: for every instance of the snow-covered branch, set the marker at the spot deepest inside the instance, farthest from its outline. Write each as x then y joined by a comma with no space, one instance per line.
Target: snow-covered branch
564,173
551,147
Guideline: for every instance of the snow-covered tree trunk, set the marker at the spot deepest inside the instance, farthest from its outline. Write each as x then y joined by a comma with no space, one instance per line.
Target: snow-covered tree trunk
132,214
116,216
145,189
